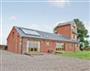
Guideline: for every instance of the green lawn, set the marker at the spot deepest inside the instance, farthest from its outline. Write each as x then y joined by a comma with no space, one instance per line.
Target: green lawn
80,55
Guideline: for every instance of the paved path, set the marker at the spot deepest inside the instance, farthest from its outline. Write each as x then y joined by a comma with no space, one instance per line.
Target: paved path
16,62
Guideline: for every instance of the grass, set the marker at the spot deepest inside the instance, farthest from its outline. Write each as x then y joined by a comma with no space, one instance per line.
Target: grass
80,54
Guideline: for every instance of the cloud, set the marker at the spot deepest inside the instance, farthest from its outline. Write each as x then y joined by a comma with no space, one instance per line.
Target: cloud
59,3
13,18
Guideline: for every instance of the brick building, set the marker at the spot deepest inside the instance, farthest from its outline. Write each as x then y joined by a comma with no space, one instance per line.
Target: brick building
23,40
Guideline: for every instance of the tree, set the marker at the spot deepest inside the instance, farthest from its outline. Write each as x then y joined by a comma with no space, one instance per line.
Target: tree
82,34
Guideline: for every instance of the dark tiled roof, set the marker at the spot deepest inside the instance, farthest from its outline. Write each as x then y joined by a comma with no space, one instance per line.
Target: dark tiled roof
24,32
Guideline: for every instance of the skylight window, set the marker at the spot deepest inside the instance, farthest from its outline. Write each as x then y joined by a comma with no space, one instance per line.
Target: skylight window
32,32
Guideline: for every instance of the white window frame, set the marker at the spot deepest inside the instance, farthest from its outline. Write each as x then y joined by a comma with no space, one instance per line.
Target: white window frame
59,44
33,42
27,45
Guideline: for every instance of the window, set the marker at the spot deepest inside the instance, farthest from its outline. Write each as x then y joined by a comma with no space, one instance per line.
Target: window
35,49
32,45
59,49
59,46
31,49
74,36
73,26
74,29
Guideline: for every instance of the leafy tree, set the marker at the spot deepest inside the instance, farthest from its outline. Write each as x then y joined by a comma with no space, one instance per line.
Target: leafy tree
86,43
82,34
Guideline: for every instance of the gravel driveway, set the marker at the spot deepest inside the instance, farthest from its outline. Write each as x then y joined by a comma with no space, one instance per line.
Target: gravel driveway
47,62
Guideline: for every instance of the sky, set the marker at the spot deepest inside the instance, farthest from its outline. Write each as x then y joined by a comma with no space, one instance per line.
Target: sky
41,15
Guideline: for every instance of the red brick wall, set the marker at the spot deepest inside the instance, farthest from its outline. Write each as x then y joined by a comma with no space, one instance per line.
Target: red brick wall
13,41
45,48
71,46
64,30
